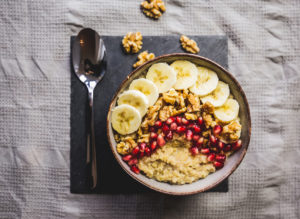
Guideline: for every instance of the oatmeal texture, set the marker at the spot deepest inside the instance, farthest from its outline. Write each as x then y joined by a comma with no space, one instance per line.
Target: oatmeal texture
173,163
153,8
189,45
132,42
143,57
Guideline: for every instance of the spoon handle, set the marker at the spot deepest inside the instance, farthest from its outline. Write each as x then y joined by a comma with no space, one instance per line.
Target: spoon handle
92,153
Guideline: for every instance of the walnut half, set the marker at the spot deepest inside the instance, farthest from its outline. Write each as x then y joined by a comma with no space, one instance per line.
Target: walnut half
153,8
143,57
132,42
188,44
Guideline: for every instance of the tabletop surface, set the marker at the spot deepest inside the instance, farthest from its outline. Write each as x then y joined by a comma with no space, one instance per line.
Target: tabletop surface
264,56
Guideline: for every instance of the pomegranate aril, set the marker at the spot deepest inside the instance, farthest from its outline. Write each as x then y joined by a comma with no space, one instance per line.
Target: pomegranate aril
189,135
170,120
191,126
200,142
152,129
165,128
200,121
147,151
213,140
169,135
141,154
194,150
173,126
217,129
196,138
178,120
158,124
196,129
127,157
211,157
220,158
142,147
181,129
227,148
205,151
135,169
153,145
135,150
221,145
161,141
133,161
153,135
237,145
218,164
184,121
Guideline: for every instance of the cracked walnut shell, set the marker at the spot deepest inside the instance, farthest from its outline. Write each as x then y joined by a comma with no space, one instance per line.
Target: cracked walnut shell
189,45
153,8
143,57
132,42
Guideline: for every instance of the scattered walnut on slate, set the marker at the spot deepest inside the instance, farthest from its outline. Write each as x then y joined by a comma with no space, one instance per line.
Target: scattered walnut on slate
143,57
189,45
132,42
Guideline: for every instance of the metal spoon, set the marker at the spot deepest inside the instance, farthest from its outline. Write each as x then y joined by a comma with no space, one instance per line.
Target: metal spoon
89,63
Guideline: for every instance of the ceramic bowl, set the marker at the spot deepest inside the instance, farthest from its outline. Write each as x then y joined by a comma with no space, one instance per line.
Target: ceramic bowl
231,163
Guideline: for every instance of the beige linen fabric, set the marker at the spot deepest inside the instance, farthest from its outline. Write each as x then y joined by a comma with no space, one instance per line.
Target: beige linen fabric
264,55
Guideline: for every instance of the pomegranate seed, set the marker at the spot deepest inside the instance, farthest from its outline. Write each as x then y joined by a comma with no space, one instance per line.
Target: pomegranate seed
141,154
217,129
237,145
184,121
200,121
153,135
211,157
189,135
173,126
135,169
196,138
161,141
194,150
205,150
191,126
133,161
181,129
135,150
153,145
178,120
169,135
165,128
213,140
227,148
147,151
196,129
218,165
152,129
142,147
127,157
221,158
200,142
170,120
158,124
221,145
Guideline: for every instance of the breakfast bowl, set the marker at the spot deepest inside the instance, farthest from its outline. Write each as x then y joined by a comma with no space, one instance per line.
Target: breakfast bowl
220,170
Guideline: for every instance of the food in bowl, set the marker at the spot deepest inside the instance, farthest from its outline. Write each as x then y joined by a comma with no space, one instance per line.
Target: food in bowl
177,123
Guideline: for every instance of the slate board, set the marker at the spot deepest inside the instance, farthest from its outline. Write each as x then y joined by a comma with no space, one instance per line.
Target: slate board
112,179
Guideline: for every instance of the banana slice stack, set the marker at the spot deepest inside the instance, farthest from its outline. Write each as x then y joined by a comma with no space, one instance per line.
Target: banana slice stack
161,77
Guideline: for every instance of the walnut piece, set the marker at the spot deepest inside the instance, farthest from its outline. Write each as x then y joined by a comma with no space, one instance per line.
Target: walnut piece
231,132
195,102
143,57
208,108
191,116
144,138
166,112
123,148
208,120
132,42
188,44
153,8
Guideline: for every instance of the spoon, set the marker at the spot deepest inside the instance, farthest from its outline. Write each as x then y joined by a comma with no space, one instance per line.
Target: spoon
89,63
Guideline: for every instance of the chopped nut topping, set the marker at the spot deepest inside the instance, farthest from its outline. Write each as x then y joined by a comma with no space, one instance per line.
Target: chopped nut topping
123,148
208,120
171,96
195,102
152,114
153,8
207,107
189,45
144,138
231,132
165,112
176,112
143,57
132,42
190,116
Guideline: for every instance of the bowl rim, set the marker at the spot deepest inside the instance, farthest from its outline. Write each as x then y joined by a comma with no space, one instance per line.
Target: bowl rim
245,144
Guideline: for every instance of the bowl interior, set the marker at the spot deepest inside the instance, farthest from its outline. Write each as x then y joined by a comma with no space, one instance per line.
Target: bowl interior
233,161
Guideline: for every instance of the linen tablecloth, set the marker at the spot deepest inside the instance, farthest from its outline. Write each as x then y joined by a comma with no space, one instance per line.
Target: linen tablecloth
264,55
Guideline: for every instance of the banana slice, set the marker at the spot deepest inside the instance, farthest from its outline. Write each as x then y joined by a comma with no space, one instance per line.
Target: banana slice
228,112
207,81
136,99
186,73
125,119
219,96
163,76
147,87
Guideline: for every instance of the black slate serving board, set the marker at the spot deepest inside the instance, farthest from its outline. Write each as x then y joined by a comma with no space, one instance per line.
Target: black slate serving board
111,177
